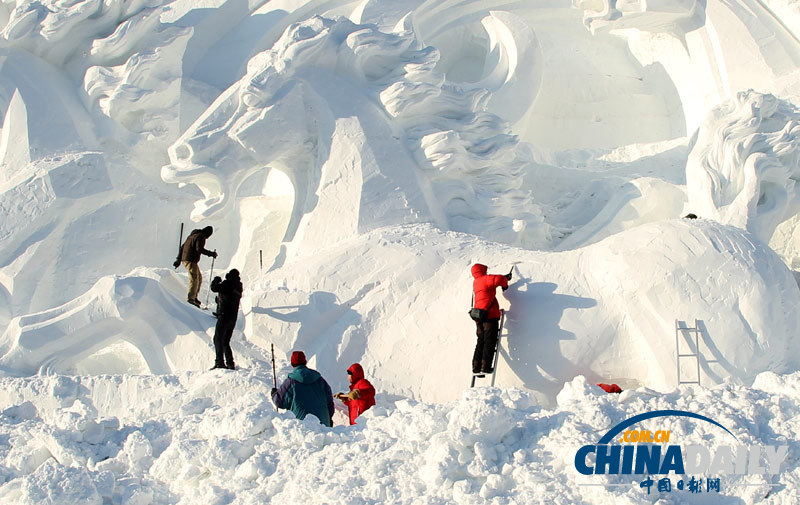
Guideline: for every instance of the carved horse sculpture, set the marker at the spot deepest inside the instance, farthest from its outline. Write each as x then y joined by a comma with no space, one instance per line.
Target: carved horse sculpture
467,172
744,167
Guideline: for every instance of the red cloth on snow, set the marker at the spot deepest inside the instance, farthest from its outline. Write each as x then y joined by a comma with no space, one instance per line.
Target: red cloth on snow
610,388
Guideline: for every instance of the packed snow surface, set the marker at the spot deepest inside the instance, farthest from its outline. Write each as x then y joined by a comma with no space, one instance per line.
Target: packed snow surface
355,159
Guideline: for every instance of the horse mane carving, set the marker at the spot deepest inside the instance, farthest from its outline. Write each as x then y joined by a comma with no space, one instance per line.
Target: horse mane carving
744,166
467,158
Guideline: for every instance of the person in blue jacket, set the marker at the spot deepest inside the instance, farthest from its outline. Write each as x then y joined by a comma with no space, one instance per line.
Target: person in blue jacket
305,392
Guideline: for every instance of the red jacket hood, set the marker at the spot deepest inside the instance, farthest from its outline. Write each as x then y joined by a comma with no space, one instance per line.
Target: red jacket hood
479,270
357,372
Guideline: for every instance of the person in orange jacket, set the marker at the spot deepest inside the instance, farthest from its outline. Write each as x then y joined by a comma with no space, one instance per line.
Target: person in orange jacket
361,395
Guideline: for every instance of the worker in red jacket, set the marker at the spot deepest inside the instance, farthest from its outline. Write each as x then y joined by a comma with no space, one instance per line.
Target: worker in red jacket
361,395
486,314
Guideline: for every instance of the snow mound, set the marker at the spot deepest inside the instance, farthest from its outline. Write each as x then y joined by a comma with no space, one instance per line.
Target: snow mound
569,313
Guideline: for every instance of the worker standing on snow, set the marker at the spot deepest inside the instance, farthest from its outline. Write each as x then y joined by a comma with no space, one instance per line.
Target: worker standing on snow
229,292
486,314
189,254
305,392
361,395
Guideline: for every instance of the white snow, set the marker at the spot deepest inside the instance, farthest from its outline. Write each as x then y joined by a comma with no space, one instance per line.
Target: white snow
214,437
355,159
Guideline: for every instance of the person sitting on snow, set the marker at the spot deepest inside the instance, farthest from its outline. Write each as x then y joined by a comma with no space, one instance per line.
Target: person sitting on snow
361,395
486,314
305,392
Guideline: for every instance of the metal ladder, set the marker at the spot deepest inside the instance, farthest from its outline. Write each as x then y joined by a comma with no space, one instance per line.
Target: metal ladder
695,354
496,352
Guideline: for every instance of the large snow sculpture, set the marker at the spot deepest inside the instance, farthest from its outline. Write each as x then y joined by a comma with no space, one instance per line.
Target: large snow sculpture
744,166
283,113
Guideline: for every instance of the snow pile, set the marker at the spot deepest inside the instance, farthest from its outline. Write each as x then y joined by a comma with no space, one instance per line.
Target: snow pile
214,437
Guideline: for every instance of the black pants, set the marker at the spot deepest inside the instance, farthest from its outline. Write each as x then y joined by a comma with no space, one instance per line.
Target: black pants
487,340
222,340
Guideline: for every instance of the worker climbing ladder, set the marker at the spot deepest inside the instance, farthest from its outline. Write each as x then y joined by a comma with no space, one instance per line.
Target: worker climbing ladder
496,353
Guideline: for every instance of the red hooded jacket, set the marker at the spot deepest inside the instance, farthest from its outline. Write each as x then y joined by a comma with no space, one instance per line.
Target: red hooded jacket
366,393
484,287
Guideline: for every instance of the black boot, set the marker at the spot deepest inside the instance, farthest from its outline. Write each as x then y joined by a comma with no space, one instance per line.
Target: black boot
476,366
486,367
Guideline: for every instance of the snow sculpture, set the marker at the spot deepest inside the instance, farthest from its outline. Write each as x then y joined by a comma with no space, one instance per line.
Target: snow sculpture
468,166
744,166
143,93
57,31
129,61
646,16
14,149
115,311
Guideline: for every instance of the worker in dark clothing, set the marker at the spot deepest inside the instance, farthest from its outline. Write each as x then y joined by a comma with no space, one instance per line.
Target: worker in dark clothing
189,255
305,392
229,292
486,314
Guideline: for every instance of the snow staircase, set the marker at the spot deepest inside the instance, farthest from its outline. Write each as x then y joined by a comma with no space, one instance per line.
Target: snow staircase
496,353
680,327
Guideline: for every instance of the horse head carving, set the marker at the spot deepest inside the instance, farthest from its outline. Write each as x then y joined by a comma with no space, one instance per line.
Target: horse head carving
744,166
468,166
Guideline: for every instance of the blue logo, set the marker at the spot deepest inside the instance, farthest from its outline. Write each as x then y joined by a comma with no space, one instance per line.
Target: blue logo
626,451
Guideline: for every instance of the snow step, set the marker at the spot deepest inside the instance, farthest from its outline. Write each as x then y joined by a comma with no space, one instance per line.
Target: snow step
202,307
482,375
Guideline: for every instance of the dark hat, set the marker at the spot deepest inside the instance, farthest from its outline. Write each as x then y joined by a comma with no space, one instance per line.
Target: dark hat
233,274
208,230
298,358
